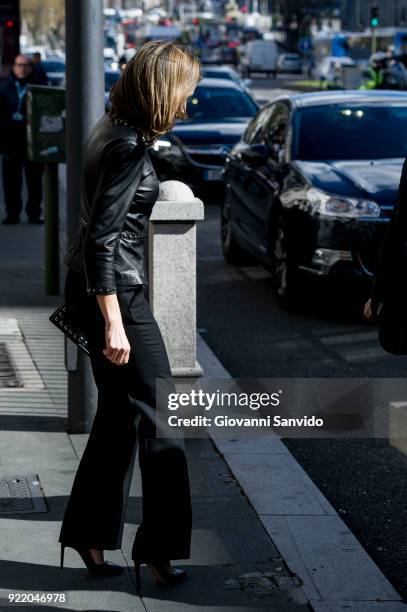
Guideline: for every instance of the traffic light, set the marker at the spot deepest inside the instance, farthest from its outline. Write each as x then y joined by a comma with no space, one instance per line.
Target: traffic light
374,16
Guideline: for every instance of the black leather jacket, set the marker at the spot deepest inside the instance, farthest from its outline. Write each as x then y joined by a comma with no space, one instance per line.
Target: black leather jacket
118,191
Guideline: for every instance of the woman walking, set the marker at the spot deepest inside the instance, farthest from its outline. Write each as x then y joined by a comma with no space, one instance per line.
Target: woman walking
105,290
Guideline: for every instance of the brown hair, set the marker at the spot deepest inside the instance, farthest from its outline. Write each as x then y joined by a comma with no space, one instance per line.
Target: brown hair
151,92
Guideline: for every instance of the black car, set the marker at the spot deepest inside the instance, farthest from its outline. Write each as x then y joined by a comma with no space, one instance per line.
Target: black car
209,55
195,150
225,72
229,55
55,69
312,183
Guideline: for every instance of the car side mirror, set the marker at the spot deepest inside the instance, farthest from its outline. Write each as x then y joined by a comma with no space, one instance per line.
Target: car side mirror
256,154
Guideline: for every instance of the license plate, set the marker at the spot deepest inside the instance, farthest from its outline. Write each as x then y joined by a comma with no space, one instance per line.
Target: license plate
212,175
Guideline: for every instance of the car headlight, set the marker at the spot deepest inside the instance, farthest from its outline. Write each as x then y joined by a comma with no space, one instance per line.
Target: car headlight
161,144
338,206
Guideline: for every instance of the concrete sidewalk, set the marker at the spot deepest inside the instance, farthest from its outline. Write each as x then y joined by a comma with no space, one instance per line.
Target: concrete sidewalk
234,564
335,571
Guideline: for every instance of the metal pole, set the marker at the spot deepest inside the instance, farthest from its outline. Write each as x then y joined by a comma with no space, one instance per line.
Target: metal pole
374,40
84,106
51,229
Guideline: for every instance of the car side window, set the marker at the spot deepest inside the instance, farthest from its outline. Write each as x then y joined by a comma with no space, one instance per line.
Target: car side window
276,131
255,132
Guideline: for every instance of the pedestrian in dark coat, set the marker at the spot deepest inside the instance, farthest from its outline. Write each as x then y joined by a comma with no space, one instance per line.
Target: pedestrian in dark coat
13,146
39,72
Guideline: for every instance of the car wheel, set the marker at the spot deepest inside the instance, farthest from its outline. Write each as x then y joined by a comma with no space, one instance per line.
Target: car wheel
284,271
232,251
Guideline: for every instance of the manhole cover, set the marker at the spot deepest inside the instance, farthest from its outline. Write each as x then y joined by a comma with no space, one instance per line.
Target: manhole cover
8,376
21,494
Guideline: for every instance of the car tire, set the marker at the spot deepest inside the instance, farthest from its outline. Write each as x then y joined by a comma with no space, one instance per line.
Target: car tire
232,251
285,272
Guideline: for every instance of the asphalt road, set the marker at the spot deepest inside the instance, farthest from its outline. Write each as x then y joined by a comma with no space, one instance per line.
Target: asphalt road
238,316
264,89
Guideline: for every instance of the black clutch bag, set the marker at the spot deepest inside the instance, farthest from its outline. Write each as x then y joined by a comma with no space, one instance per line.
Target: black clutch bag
63,319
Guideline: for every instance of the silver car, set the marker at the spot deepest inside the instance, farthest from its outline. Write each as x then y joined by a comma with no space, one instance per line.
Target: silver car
289,62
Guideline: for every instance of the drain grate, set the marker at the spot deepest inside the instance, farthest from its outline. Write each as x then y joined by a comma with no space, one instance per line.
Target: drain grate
21,494
8,375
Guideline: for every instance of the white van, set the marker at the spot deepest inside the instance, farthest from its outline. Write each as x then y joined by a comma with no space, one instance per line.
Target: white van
260,56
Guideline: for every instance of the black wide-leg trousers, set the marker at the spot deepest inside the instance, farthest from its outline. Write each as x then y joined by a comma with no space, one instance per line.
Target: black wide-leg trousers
125,419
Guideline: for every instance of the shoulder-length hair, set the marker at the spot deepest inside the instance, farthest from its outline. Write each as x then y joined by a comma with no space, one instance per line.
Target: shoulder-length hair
151,92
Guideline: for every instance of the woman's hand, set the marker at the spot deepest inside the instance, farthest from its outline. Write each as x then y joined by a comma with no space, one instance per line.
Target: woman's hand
117,346
368,312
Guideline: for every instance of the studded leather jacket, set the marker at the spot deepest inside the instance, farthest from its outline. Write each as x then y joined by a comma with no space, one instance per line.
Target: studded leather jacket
119,188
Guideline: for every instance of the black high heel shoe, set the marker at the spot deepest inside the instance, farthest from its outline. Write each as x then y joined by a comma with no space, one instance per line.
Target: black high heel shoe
95,569
163,572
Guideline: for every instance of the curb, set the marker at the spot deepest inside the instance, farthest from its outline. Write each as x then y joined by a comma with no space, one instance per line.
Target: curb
317,546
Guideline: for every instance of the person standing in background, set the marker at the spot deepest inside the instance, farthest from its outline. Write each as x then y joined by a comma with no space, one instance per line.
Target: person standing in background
122,63
39,72
13,146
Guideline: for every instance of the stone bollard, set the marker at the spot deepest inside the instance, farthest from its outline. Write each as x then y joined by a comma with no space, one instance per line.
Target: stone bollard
172,273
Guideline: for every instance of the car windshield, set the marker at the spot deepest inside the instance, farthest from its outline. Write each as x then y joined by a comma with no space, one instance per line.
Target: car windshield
215,103
214,74
110,79
350,131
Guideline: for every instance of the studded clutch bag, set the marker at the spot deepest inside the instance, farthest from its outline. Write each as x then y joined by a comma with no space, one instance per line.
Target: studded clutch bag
62,319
